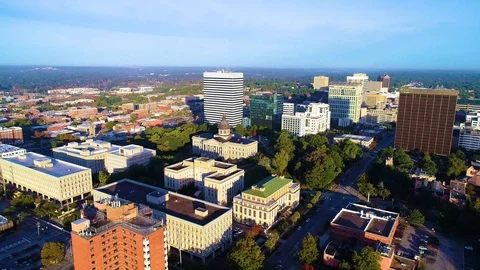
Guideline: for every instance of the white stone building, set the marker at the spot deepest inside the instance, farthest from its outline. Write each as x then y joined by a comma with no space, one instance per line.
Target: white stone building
306,119
126,156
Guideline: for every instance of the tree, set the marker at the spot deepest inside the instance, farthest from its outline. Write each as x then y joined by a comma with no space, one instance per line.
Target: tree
350,151
367,259
366,189
52,253
382,191
254,231
246,255
240,129
456,164
272,240
133,118
470,190
103,178
322,174
316,197
110,125
416,217
295,217
309,252
47,209
427,164
284,142
280,162
402,161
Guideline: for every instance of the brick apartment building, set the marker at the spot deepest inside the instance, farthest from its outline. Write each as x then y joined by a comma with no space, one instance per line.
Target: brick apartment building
366,225
425,120
12,135
82,112
119,236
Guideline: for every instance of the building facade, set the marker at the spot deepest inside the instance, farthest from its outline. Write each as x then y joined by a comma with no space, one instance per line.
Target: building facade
119,237
220,181
90,154
307,119
223,93
264,202
381,116
7,150
425,120
266,110
226,145
47,177
196,227
385,79
82,112
364,141
320,82
11,135
126,156
345,100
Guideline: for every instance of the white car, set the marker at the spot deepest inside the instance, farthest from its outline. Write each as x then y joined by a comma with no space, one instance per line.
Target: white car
308,220
299,228
422,247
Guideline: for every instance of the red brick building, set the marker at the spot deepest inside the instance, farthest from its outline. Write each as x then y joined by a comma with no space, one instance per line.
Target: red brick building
117,236
12,135
365,225
82,112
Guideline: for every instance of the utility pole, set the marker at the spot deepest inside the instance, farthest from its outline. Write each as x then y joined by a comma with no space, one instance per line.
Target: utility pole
38,228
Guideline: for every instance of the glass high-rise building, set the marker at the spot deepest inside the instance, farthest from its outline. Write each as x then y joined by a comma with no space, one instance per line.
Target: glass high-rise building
223,93
266,110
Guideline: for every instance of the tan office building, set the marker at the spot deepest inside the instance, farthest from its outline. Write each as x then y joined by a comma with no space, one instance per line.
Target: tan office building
263,203
48,177
126,156
196,227
224,145
320,82
90,154
425,120
220,181
376,100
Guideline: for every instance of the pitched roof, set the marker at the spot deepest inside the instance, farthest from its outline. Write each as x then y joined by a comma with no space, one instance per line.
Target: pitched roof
268,186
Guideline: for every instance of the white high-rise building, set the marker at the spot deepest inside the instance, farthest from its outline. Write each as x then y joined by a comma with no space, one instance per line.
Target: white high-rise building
307,119
223,93
345,100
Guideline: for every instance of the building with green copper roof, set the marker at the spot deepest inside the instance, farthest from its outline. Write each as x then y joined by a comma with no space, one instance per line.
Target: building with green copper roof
268,186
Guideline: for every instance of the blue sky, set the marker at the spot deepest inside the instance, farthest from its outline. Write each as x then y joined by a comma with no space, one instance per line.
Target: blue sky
307,34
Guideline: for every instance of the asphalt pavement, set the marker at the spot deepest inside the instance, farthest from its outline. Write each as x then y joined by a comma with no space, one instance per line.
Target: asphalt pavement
333,201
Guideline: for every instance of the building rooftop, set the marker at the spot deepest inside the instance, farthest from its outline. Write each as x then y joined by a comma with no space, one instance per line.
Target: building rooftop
177,205
355,137
132,150
428,91
221,176
268,186
88,148
402,263
367,219
7,148
234,138
44,164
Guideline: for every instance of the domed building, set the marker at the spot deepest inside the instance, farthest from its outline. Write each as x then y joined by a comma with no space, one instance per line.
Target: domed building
224,144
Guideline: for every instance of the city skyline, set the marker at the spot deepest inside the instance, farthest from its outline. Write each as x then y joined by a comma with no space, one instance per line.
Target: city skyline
305,35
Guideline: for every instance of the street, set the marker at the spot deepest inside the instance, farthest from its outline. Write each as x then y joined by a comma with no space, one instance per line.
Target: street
333,201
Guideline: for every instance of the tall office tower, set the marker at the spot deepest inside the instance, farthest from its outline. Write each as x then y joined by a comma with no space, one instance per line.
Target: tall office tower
425,120
266,110
223,93
320,82
385,79
345,100
308,119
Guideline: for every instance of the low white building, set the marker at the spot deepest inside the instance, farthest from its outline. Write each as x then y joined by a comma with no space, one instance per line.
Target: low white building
219,181
126,156
90,154
7,150
264,202
470,140
48,177
364,141
306,119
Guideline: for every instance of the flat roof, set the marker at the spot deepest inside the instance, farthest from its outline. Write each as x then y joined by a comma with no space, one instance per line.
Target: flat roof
367,219
94,148
177,205
430,91
355,137
7,148
59,168
221,176
268,186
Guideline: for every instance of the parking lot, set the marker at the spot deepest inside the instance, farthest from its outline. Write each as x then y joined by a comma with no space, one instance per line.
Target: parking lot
21,247
435,250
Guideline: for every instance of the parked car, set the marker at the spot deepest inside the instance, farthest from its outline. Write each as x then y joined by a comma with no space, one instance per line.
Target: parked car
422,248
299,228
308,220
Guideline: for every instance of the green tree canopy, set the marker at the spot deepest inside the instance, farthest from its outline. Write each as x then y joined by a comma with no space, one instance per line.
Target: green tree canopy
427,164
280,162
285,143
416,217
295,216
272,240
103,178
367,259
402,161
456,164
350,151
52,253
246,255
309,252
